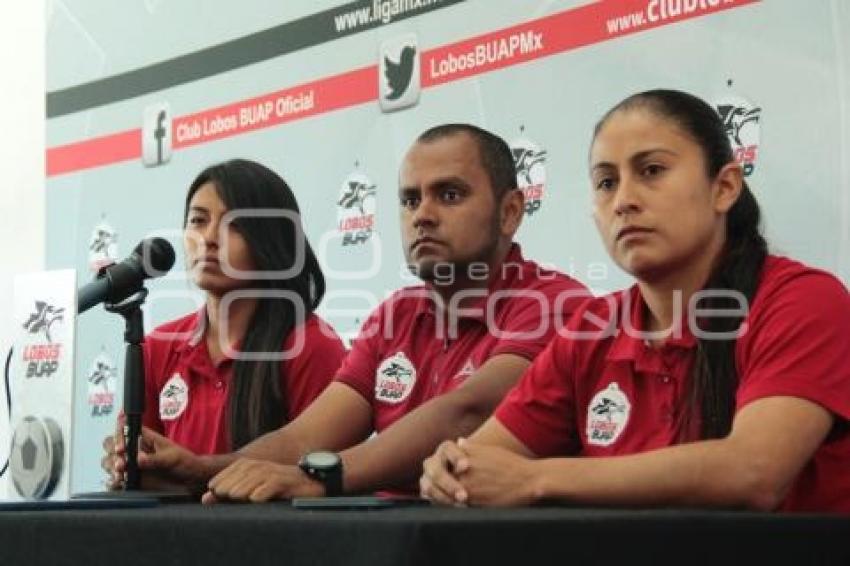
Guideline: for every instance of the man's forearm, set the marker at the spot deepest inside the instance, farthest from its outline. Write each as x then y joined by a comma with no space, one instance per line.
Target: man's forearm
275,446
394,457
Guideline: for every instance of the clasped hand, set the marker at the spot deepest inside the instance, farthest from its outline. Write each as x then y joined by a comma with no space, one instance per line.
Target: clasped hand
465,473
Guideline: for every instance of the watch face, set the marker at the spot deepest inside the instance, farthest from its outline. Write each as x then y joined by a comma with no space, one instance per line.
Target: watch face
322,459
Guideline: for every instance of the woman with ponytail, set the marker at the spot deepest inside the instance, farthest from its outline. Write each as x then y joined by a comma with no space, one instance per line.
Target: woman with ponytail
718,379
256,355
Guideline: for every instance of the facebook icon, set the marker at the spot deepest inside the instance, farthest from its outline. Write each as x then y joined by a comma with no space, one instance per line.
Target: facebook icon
156,135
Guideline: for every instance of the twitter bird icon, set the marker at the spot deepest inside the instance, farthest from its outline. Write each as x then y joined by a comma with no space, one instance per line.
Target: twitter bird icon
399,83
398,74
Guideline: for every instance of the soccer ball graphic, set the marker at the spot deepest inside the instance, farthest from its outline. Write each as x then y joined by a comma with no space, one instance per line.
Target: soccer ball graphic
36,458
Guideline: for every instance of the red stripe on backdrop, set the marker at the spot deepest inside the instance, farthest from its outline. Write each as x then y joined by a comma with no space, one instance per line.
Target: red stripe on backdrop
585,25
578,27
318,97
112,148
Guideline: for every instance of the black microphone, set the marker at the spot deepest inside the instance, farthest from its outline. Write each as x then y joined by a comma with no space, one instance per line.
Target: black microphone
153,257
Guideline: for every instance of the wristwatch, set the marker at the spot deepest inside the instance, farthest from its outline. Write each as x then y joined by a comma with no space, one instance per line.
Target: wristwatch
326,468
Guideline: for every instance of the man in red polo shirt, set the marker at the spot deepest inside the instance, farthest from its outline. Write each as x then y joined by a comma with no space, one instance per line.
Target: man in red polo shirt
433,361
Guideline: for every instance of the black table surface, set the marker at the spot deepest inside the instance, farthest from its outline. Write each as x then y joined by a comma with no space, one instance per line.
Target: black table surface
279,534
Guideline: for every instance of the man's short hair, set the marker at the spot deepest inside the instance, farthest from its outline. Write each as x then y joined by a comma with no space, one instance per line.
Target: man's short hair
495,154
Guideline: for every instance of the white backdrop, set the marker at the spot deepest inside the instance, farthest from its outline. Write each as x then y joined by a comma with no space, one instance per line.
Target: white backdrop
21,162
556,66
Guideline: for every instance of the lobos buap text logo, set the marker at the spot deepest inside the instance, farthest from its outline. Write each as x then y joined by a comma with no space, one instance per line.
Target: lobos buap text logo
395,379
356,209
101,384
103,247
42,360
530,163
607,415
741,118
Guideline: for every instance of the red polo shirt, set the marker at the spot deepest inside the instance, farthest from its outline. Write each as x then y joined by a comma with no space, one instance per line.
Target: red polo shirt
611,394
408,352
186,393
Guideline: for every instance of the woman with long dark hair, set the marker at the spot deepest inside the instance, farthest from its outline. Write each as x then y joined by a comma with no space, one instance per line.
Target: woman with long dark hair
719,379
256,354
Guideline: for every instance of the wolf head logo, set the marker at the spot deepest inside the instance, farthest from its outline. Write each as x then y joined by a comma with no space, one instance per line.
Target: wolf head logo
526,158
355,195
735,117
101,241
396,371
101,374
43,318
608,408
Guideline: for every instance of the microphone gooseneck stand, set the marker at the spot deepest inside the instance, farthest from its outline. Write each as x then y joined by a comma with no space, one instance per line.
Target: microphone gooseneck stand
134,381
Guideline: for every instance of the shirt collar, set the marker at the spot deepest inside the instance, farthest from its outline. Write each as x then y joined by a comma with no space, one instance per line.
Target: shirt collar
502,278
628,345
198,327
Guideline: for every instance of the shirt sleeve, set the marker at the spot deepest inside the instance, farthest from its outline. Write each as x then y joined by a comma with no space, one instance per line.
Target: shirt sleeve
535,315
796,344
359,366
540,409
307,374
